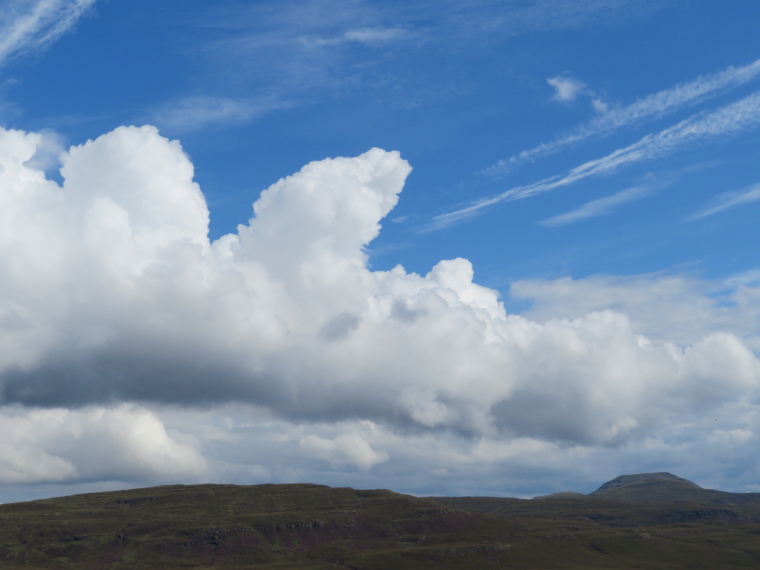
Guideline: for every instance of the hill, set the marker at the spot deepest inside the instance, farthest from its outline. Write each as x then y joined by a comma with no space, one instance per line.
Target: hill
313,526
229,526
668,488
627,500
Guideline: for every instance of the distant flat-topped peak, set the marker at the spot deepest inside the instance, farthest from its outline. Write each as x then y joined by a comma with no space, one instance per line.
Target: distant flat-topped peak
666,488
646,480
561,495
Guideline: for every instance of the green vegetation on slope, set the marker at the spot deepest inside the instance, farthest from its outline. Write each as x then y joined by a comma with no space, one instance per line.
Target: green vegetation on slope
667,488
227,526
312,526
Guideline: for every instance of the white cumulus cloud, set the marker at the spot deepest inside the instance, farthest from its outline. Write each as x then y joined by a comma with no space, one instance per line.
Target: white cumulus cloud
112,291
118,444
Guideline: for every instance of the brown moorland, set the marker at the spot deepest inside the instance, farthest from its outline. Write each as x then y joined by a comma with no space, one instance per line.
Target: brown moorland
313,526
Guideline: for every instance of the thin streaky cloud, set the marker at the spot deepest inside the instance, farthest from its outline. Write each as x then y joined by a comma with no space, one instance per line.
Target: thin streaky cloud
195,113
366,36
654,105
751,277
298,46
729,200
729,119
598,207
22,31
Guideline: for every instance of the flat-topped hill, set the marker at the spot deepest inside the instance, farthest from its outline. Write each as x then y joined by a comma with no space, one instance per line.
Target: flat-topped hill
313,526
667,488
231,526
637,500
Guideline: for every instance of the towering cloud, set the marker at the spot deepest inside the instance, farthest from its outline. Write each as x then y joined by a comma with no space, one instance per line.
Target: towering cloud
111,291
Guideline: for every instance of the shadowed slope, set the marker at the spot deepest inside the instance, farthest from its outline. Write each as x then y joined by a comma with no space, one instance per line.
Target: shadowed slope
230,526
312,526
667,488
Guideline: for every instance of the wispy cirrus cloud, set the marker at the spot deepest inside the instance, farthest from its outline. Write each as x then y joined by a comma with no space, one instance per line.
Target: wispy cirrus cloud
567,89
728,200
195,113
27,26
598,207
300,48
729,119
374,36
654,105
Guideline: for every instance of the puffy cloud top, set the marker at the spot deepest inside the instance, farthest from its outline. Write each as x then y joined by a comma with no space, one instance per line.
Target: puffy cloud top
111,291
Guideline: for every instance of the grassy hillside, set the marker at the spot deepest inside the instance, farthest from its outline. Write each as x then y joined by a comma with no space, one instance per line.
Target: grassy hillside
311,526
667,488
227,526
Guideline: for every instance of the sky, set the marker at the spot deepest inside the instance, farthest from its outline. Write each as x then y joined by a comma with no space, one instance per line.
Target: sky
483,247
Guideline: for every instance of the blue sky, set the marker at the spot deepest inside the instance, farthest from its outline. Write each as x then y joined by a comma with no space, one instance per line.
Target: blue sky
594,163
255,92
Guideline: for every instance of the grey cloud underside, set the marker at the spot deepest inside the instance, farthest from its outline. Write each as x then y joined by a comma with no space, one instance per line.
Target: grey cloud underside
120,373
148,374
113,293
